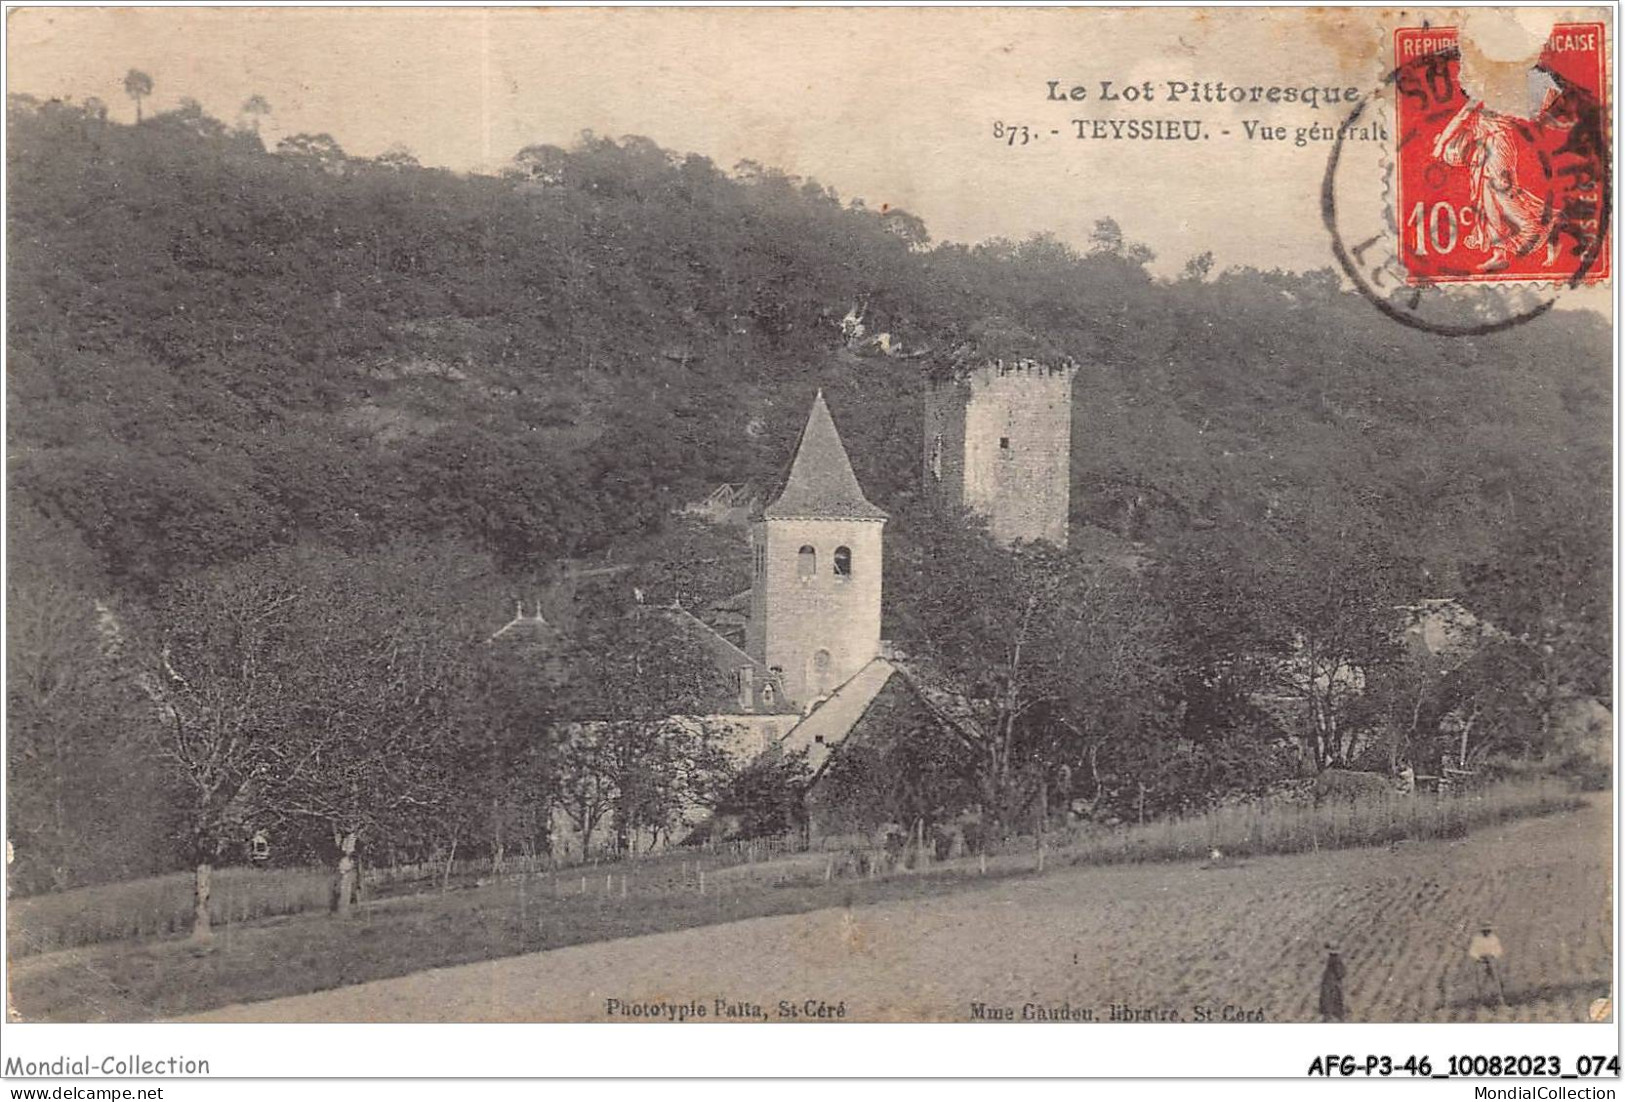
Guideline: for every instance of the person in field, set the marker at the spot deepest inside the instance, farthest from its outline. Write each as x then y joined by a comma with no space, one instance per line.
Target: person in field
1486,953
1332,1008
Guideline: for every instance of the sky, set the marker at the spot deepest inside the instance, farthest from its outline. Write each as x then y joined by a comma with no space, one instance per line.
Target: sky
896,106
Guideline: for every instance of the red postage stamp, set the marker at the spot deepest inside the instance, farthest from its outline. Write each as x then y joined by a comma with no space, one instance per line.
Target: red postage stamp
1502,181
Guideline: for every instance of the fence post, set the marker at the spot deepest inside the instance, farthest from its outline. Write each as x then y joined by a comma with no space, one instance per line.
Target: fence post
1043,817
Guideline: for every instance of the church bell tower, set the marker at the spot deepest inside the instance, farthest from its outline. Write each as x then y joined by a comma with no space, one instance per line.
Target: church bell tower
816,583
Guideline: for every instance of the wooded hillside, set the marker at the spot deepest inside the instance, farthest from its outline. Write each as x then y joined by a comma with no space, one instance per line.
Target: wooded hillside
217,350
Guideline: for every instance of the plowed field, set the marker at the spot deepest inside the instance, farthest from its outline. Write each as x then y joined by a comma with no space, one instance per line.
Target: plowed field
1175,940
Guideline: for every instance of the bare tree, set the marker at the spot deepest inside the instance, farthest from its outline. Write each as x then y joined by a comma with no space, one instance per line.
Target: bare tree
587,767
379,655
1334,607
218,684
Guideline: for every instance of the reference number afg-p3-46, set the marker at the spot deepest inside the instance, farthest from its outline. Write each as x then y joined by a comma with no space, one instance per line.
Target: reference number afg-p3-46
1585,1067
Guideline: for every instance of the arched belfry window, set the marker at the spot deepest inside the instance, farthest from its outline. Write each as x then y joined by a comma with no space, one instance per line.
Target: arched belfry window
843,562
806,562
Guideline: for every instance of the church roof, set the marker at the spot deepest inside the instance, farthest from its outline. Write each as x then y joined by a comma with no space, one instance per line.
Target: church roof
821,482
827,725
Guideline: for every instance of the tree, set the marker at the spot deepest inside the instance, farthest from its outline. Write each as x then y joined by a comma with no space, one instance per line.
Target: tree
189,117
1452,707
1224,652
767,795
397,156
316,151
636,743
1056,660
1548,587
1106,237
379,654
86,803
544,165
138,86
74,752
256,107
309,689
220,684
910,228
1117,707
587,778
992,652
911,766
503,751
1336,620
1198,267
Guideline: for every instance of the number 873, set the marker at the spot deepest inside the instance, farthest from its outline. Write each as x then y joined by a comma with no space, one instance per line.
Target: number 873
1012,133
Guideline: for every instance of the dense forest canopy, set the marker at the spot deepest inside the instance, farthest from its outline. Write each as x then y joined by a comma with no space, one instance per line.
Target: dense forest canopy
215,348
218,350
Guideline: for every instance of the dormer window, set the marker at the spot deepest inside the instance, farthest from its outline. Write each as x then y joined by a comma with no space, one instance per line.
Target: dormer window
807,562
843,563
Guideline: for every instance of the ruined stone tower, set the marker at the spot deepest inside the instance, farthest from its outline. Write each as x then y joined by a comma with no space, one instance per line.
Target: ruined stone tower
998,442
815,590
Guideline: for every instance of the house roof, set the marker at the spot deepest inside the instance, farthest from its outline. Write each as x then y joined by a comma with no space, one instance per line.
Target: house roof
729,659
534,626
821,484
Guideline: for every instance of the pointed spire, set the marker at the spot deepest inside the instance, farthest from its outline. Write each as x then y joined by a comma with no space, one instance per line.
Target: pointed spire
821,482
